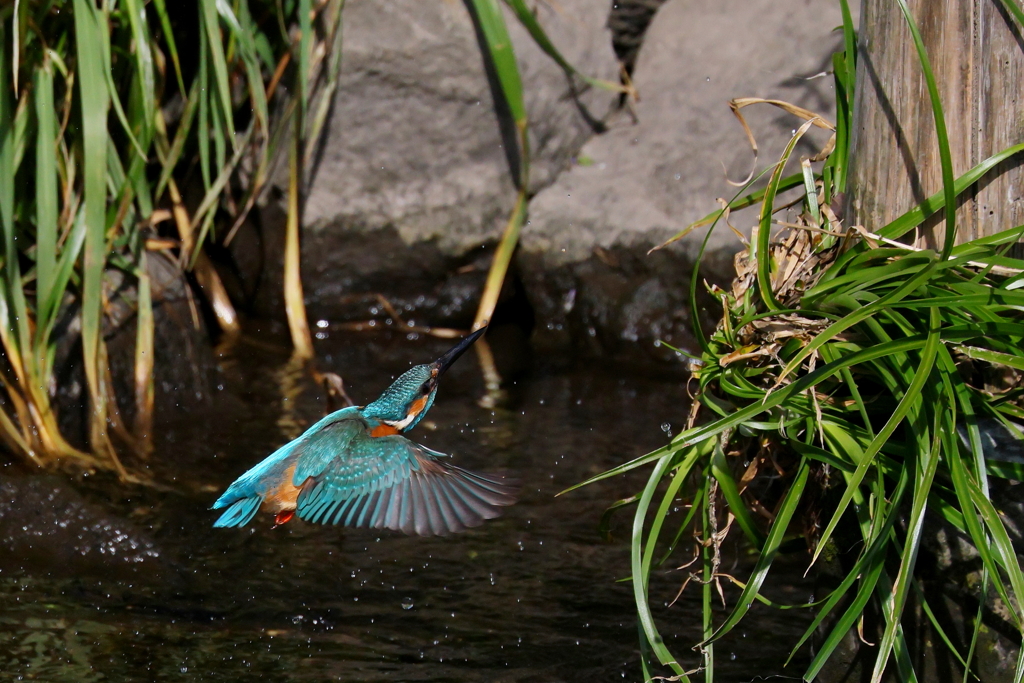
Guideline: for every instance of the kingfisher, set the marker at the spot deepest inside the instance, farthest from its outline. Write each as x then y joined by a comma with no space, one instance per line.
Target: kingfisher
355,467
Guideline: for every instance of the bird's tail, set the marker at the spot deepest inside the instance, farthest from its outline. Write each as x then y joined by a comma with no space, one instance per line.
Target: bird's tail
240,512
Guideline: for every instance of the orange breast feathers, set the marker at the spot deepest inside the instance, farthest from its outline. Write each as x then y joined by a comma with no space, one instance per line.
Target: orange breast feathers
383,429
283,495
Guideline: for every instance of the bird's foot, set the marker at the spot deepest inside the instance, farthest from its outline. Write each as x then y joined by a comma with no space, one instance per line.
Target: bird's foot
283,517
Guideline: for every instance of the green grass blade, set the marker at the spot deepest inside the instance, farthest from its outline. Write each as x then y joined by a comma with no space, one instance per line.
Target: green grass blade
857,316
922,487
760,249
935,624
776,398
640,578
12,137
94,105
305,57
707,597
113,98
678,479
499,45
169,159
72,249
244,32
1005,554
1015,362
46,184
1013,8
215,49
203,131
911,219
137,18
529,21
810,191
213,193
906,404
165,24
720,470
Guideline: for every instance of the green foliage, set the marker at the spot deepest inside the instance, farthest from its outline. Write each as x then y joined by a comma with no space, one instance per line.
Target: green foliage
84,91
851,360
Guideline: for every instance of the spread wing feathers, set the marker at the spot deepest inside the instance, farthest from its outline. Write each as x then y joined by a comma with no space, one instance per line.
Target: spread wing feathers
393,483
240,512
325,440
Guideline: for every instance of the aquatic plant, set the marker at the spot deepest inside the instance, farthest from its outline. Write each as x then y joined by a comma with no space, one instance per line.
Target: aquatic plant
100,122
845,363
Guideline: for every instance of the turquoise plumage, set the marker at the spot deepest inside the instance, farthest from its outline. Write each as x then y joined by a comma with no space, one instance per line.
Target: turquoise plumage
355,468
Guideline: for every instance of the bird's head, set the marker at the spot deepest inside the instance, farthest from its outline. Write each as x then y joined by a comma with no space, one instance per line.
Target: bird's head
407,400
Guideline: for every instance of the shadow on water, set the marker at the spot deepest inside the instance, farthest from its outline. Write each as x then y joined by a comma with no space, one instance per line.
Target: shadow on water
530,596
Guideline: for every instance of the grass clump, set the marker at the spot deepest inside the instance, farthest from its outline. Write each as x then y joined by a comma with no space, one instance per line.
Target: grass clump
861,366
107,112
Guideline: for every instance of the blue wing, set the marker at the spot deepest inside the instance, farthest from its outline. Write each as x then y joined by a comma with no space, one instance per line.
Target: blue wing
390,482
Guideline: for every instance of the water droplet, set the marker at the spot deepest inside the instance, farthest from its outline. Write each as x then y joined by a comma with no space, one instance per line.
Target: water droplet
407,603
666,427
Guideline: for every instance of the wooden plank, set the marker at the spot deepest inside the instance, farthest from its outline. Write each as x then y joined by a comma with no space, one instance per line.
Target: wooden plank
977,54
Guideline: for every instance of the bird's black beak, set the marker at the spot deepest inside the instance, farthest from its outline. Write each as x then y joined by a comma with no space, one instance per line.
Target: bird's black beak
446,361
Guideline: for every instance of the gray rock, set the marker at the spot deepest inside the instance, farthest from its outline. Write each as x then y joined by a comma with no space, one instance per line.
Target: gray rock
185,364
642,183
414,169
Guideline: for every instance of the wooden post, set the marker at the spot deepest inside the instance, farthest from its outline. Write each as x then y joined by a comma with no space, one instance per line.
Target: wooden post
977,53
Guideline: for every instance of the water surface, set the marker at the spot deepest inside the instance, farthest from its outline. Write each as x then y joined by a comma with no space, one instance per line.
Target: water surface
531,596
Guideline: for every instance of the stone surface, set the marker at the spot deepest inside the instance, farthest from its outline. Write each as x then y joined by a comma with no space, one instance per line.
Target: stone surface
185,362
413,185
414,154
641,183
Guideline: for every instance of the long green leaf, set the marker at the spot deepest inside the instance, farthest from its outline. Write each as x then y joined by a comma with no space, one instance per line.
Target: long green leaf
46,184
529,21
922,487
698,434
906,404
215,48
499,44
720,470
760,249
137,18
640,578
911,219
93,90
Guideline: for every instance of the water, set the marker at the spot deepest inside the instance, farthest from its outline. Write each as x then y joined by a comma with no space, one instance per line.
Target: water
531,596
